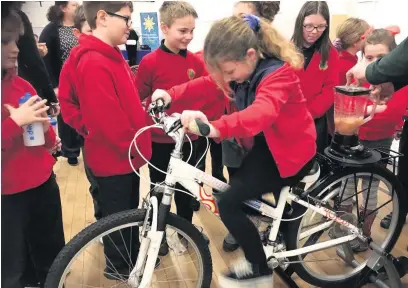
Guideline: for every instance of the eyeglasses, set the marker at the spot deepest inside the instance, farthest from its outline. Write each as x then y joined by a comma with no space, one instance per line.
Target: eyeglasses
126,18
310,28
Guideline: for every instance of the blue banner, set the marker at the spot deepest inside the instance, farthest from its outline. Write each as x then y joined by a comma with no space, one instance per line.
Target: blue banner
150,29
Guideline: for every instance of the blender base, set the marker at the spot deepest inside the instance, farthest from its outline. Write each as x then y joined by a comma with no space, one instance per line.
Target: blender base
347,149
369,158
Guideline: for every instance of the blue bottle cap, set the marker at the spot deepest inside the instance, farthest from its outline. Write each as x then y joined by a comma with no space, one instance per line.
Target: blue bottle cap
24,99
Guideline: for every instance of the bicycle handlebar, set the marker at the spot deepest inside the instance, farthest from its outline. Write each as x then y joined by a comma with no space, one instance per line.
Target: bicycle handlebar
198,127
173,122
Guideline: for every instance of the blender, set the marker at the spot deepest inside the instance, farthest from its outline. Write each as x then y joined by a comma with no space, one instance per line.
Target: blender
350,112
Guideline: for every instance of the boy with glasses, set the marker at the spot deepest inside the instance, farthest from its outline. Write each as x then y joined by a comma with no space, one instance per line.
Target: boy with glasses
111,114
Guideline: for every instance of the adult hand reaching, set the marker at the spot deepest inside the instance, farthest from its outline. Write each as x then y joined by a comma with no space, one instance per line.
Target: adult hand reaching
356,75
382,93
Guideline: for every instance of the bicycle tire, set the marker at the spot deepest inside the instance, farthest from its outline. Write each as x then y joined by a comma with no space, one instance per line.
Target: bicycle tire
293,227
131,216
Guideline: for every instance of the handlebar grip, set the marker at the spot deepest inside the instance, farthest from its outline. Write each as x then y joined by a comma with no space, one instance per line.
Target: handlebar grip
198,127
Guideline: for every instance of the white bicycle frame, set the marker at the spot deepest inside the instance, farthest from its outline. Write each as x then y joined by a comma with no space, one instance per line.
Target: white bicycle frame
191,178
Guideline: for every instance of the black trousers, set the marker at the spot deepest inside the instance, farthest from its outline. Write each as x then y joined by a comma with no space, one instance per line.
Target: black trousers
93,188
160,159
116,194
216,157
258,175
32,233
322,140
403,161
70,139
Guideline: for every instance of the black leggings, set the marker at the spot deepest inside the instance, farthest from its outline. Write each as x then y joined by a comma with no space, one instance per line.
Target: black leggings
258,175
32,234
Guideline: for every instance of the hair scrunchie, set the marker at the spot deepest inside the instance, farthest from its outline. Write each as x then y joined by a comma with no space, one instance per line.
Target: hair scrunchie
253,21
338,44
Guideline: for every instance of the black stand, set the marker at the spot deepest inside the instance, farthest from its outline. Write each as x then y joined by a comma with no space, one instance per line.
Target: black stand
387,271
286,276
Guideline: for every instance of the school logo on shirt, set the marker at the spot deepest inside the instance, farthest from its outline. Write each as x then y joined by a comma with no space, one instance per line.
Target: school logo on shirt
191,74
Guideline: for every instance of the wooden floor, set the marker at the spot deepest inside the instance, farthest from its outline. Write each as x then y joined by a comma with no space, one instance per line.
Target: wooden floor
78,213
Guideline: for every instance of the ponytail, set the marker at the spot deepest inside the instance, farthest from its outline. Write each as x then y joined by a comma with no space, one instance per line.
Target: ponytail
271,43
338,44
350,32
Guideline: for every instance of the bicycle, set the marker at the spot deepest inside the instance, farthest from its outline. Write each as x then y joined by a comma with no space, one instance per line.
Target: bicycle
280,251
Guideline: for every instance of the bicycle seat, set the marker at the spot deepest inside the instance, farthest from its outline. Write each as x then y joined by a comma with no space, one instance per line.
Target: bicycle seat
313,174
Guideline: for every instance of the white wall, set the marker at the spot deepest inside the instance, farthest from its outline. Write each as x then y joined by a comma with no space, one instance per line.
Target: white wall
379,13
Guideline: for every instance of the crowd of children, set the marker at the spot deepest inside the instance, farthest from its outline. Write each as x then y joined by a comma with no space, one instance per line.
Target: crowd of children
257,90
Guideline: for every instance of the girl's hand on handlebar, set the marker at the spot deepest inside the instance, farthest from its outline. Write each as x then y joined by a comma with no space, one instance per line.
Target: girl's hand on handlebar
191,116
161,94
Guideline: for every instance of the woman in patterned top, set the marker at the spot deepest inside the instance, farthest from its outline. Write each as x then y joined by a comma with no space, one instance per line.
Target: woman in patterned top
60,39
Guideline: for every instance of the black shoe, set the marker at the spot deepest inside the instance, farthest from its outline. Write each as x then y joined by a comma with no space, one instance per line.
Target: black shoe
195,205
164,248
207,240
73,161
386,221
244,274
230,244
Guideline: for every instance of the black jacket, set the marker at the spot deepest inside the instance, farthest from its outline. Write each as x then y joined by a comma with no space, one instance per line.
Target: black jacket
30,64
131,49
52,60
391,68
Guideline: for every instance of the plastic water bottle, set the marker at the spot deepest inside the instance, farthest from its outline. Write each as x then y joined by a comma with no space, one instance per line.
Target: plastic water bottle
33,133
54,124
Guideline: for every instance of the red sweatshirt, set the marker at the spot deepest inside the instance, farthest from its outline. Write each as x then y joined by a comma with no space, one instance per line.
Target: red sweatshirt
22,168
318,84
110,107
279,111
383,124
346,62
69,100
162,69
213,112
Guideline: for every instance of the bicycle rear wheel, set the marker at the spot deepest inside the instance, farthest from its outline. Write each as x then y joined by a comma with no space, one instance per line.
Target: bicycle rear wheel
353,275
70,269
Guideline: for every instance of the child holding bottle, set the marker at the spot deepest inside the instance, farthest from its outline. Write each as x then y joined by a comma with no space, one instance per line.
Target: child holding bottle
31,217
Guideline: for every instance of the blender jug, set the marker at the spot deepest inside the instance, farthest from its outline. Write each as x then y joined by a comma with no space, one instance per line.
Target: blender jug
350,105
350,110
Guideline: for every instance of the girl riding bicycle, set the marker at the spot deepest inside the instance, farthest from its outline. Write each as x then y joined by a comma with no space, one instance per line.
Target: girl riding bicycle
255,66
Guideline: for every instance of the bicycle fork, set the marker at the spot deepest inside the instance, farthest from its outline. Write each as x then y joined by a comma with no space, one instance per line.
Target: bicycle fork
151,240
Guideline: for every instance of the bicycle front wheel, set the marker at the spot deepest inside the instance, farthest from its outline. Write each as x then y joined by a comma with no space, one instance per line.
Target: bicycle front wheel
83,261
328,267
